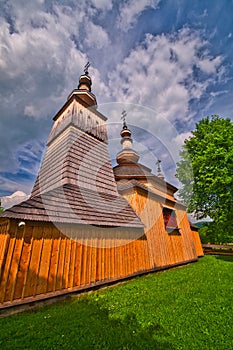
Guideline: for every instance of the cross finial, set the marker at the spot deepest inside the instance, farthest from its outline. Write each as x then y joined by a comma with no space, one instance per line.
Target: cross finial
158,166
159,172
86,67
123,117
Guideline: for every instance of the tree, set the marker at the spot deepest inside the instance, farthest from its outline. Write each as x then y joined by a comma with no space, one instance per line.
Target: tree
1,209
206,172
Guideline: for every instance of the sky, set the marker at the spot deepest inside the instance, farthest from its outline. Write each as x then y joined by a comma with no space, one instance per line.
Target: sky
168,63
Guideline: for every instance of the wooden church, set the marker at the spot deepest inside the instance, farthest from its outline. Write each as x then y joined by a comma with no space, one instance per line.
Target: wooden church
86,223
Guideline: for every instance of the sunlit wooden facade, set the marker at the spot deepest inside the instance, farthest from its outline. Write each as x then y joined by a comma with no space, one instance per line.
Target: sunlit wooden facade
86,223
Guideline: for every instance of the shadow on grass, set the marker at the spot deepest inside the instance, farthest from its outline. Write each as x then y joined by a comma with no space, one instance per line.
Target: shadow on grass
81,325
128,334
228,258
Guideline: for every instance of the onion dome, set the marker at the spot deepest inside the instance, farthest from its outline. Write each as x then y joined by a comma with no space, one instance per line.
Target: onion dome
84,89
159,171
127,154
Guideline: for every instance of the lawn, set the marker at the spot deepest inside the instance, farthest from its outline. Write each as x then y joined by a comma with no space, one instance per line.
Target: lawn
184,308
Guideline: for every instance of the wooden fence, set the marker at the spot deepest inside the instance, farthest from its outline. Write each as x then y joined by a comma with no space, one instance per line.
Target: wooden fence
217,249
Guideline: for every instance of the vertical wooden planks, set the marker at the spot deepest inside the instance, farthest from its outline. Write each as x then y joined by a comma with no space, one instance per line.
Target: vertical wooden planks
197,243
4,243
27,252
40,245
88,243
61,262
43,271
23,262
7,279
32,272
102,264
98,258
83,262
53,266
107,255
93,276
72,263
112,244
39,258
164,249
67,258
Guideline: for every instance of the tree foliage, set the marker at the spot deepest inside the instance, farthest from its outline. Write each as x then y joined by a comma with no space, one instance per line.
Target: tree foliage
1,209
206,172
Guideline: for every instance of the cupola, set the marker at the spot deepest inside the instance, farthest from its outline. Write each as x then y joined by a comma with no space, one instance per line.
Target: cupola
159,171
83,92
127,154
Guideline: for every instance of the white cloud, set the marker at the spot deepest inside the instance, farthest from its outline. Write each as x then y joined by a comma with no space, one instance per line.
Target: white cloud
102,5
39,66
154,137
45,45
96,36
31,111
209,65
160,74
179,139
16,198
131,10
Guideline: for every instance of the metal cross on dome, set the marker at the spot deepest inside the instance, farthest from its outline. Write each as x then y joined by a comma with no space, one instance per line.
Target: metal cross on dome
158,165
159,171
123,117
86,67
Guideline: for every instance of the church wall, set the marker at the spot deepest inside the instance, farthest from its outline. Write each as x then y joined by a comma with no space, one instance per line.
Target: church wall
197,242
165,248
4,241
40,258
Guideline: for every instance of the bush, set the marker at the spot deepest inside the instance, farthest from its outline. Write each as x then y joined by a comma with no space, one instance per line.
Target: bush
213,233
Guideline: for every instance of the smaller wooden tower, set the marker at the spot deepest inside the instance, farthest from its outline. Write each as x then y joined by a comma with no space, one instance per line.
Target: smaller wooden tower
170,238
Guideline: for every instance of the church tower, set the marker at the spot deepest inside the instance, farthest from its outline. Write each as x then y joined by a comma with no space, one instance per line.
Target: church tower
76,183
77,151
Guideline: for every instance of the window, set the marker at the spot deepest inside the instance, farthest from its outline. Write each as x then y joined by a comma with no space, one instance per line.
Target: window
170,222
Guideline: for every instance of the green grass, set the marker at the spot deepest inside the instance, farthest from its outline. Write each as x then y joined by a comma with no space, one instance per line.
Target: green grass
184,308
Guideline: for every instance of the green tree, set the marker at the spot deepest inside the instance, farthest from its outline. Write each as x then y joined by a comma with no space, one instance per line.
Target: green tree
206,172
1,209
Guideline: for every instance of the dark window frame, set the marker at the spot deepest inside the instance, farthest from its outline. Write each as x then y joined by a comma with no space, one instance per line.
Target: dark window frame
170,221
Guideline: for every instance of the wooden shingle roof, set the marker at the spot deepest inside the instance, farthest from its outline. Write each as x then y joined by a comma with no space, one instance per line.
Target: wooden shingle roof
79,159
126,185
70,204
132,170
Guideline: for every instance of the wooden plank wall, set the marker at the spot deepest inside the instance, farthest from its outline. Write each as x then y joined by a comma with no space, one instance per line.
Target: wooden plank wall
165,249
39,258
197,242
4,242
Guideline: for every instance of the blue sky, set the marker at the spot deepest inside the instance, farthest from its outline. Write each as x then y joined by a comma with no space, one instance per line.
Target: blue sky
167,62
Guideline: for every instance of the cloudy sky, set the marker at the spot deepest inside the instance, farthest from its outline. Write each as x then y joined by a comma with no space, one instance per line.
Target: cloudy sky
167,62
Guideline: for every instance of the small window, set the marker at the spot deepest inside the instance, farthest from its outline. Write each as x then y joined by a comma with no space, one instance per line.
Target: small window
88,122
170,222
